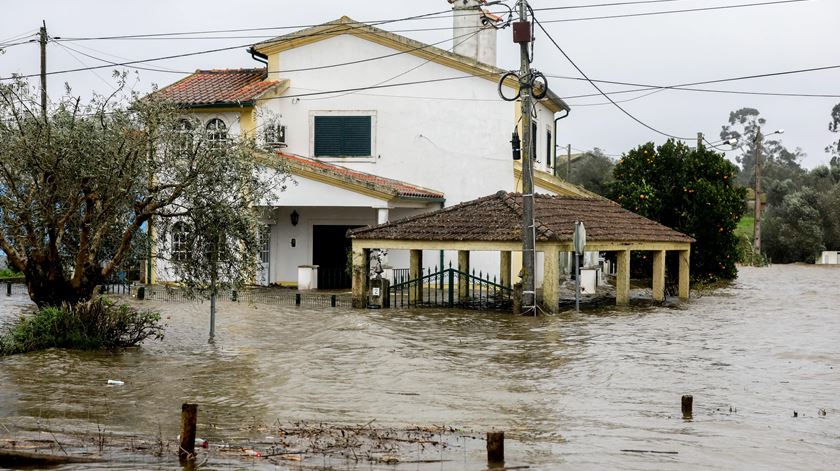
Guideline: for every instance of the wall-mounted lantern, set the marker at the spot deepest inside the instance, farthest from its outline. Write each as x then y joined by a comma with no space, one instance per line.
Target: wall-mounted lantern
295,217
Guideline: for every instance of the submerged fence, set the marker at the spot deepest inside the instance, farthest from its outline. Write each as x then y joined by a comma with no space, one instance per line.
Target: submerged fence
271,296
451,288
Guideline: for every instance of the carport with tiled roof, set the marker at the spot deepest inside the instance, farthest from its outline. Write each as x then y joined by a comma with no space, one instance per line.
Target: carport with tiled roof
493,223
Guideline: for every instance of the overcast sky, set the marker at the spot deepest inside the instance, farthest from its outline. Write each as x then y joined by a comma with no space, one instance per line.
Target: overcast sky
661,50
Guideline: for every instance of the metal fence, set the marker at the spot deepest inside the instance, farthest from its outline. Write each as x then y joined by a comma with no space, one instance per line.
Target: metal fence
451,288
271,296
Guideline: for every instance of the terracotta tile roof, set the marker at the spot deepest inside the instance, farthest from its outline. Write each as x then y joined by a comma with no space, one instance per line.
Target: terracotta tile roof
498,217
395,188
217,87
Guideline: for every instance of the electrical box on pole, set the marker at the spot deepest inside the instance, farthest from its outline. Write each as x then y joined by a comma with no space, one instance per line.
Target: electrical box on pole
523,32
516,146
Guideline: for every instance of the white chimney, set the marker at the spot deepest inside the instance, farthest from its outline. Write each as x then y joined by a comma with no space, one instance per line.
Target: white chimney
467,18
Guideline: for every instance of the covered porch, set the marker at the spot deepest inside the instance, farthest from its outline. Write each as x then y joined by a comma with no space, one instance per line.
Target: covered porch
307,223
492,224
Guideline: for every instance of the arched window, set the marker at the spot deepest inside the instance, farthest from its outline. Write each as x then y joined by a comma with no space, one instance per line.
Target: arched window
180,242
216,131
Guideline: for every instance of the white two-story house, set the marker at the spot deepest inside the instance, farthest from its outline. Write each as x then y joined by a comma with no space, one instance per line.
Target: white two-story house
374,126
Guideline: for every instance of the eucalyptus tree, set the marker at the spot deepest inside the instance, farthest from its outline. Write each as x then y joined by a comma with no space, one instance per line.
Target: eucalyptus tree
81,186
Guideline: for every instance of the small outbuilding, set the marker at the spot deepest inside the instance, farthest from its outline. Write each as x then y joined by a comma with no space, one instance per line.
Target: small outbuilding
494,223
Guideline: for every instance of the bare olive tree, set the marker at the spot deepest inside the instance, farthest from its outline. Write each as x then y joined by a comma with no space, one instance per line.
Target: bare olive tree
80,187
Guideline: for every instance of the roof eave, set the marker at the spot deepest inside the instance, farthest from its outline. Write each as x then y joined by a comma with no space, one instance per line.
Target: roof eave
218,104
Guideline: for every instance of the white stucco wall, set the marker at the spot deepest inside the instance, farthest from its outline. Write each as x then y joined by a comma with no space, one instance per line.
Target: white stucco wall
455,139
452,136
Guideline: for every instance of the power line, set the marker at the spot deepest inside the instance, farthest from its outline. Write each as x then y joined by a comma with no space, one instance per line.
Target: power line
208,51
428,16
245,30
670,12
687,86
613,4
599,88
375,87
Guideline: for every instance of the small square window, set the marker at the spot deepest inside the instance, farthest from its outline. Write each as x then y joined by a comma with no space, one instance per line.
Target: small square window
342,136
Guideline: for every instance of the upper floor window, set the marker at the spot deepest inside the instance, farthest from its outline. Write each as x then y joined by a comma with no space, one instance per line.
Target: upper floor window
549,145
534,134
180,242
343,136
216,130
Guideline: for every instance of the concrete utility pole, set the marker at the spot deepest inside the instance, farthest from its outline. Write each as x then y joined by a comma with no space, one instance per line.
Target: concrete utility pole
757,227
528,232
42,39
699,140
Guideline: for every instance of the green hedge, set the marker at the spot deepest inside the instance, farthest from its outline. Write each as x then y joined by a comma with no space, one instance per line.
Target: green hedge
93,325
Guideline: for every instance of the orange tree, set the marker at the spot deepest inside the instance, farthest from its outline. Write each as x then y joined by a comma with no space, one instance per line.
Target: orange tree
690,190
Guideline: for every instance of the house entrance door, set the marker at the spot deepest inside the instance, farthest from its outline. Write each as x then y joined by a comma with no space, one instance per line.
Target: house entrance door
330,249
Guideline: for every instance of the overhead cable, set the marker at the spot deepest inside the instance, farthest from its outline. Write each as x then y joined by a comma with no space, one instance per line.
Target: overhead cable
595,85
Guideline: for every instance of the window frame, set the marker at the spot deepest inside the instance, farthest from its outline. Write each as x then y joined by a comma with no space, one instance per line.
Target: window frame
180,242
373,125
550,157
535,133
212,134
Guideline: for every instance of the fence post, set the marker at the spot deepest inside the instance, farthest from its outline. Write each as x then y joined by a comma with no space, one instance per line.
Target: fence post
234,296
141,293
451,288
332,301
8,288
495,447
297,299
189,413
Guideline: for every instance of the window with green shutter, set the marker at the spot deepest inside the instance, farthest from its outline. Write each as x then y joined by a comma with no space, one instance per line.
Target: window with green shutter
342,136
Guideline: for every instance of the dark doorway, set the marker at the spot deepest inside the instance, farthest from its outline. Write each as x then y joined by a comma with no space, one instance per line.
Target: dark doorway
330,247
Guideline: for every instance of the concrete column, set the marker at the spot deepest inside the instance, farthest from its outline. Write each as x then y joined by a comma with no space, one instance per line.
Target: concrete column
516,266
382,215
622,278
684,273
504,268
463,266
361,273
659,275
415,271
551,278
381,218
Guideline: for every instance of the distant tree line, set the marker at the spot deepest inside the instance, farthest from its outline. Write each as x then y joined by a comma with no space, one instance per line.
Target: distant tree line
802,207
802,213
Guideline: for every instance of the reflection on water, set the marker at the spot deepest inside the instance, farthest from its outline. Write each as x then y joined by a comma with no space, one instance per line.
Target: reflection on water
571,391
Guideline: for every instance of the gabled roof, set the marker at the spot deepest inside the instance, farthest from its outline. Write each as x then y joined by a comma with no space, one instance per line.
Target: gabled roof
346,25
498,218
221,87
366,183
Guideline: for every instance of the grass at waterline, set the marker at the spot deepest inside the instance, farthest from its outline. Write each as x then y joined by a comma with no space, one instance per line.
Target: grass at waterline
98,324
745,227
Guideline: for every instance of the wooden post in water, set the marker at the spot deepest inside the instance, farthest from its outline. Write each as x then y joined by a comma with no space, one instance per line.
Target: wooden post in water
189,414
687,406
495,447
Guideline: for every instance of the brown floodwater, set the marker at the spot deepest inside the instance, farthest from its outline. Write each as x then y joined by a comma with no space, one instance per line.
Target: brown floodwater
571,391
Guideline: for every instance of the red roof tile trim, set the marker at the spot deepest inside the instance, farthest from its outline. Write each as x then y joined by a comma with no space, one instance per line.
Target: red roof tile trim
217,87
395,187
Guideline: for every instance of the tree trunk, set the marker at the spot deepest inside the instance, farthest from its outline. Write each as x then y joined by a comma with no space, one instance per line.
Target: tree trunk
49,286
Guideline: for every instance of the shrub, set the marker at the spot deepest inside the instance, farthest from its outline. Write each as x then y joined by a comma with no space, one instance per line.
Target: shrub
9,273
92,325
